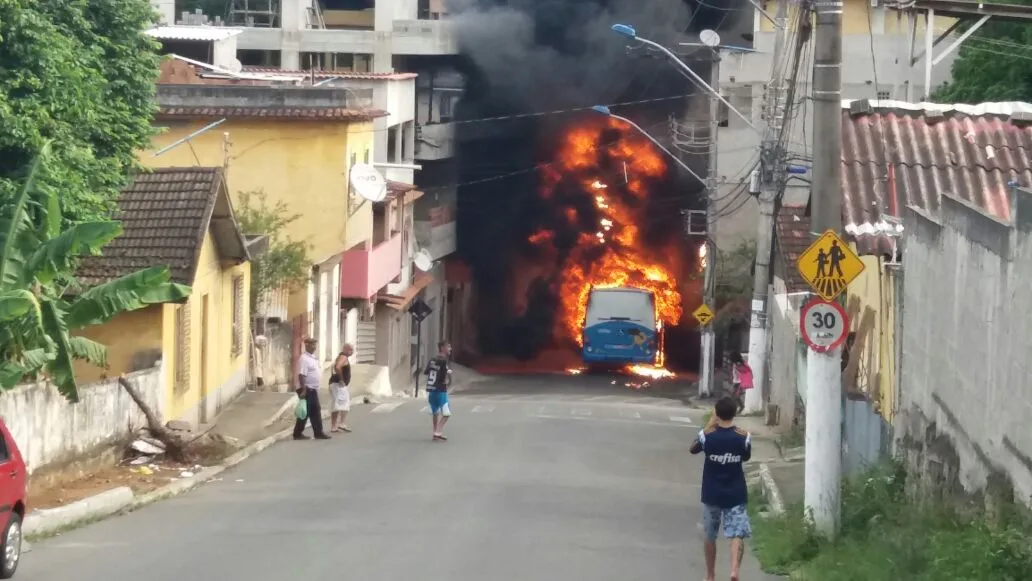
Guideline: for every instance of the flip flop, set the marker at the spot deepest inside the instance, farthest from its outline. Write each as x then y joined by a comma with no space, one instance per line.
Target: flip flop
345,429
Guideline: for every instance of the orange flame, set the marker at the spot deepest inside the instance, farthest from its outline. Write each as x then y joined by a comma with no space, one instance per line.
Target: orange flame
615,175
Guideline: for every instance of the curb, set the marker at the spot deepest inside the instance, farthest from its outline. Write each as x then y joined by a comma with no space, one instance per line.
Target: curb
48,522
287,405
771,490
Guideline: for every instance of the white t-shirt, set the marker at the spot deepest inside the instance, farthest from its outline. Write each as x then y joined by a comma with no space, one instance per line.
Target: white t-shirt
310,370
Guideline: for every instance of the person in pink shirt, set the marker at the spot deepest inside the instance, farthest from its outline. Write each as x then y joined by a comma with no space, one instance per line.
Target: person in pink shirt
741,378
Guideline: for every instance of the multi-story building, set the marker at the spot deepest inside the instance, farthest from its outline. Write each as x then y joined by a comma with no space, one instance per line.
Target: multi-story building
875,46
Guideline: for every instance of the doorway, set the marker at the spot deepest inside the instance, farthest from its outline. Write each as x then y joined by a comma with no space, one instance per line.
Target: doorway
202,410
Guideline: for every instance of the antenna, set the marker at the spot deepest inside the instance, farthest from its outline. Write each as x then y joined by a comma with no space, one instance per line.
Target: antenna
423,260
368,183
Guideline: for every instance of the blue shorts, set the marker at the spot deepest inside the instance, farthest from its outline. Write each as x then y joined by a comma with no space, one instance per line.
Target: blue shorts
438,401
735,521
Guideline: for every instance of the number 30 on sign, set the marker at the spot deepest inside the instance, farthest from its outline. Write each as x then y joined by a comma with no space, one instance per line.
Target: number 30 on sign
823,325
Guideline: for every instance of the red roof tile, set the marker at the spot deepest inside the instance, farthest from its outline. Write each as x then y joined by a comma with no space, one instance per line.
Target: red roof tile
297,113
793,238
897,154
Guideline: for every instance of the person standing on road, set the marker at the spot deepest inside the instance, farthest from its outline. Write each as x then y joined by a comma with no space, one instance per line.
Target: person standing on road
308,378
741,378
438,378
340,397
724,493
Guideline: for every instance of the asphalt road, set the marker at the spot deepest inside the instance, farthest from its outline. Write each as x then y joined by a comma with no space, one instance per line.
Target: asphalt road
534,483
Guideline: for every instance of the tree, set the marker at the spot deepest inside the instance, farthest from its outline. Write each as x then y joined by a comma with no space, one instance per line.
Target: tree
286,263
40,302
994,64
78,74
734,286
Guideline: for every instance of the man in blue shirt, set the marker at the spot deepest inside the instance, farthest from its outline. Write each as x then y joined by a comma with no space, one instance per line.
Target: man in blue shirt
724,492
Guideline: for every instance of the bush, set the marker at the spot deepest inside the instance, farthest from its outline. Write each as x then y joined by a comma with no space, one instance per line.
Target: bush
886,536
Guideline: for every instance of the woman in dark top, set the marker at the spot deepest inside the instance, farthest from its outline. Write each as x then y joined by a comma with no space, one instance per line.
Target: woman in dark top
340,378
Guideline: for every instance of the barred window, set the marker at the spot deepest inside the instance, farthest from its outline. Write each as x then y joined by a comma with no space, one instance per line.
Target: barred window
182,354
238,316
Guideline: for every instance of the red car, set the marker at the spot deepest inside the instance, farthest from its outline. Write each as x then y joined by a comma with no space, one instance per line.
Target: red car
13,483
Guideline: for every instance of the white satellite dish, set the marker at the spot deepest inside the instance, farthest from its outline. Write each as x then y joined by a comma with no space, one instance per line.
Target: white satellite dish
368,182
235,66
710,38
423,260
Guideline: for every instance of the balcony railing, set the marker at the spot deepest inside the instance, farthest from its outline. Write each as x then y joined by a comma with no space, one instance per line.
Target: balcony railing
364,272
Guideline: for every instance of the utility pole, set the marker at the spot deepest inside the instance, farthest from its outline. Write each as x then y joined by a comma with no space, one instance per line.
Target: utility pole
823,370
710,276
771,170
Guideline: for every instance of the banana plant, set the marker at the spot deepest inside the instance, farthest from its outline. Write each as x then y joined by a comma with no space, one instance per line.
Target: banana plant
41,304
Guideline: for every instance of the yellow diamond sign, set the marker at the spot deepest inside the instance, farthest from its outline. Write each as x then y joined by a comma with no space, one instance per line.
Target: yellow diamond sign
829,265
703,314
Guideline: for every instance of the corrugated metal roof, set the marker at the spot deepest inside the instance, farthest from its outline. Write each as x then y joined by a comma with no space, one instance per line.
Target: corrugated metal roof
897,154
345,75
198,33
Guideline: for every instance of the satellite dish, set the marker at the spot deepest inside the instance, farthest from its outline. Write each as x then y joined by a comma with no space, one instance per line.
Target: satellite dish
423,260
368,182
710,38
235,66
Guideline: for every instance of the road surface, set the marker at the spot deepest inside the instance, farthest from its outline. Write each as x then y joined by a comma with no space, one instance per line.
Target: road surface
536,482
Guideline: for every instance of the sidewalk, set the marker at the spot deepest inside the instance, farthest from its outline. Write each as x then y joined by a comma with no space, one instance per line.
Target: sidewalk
780,472
248,425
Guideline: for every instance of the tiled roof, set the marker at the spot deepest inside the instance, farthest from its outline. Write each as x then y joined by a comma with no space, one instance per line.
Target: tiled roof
396,188
347,75
898,154
298,113
793,230
165,215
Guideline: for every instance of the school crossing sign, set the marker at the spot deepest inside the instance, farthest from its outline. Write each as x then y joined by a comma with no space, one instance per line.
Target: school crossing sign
829,265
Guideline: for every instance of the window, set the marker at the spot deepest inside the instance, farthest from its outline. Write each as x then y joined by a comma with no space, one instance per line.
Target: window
884,95
182,354
5,451
447,106
238,316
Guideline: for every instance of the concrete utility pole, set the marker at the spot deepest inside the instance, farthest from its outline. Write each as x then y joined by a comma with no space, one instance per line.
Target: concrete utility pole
771,169
710,277
823,370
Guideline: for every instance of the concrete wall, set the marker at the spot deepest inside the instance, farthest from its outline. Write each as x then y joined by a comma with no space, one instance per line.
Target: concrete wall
273,355
50,431
787,360
964,397
134,342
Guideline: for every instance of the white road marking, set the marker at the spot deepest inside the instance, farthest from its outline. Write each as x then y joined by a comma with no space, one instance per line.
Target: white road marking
482,409
580,412
681,419
386,407
601,398
613,420
630,413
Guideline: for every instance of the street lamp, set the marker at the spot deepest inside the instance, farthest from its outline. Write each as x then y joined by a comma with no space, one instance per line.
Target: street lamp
605,111
629,32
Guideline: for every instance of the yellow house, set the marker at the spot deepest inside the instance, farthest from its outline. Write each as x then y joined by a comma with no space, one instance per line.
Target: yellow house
181,217
297,152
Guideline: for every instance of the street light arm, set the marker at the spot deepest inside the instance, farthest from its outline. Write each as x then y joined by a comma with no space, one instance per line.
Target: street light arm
698,80
638,128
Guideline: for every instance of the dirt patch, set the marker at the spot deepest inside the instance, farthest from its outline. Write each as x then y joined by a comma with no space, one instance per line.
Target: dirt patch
141,474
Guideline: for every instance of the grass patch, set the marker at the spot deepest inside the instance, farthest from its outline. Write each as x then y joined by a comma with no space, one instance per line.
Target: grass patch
885,537
795,437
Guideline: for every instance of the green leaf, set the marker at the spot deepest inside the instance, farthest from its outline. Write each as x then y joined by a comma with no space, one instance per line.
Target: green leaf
88,350
57,255
14,223
14,372
134,291
15,304
60,364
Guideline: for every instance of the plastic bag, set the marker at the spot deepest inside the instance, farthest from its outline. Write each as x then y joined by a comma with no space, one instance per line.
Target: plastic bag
301,409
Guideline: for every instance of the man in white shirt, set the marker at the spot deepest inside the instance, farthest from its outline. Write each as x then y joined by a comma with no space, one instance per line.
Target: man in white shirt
309,376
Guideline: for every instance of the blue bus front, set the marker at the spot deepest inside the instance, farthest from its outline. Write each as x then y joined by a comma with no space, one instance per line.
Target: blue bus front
620,327
619,341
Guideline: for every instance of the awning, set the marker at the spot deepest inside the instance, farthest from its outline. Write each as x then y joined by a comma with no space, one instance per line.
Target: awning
402,301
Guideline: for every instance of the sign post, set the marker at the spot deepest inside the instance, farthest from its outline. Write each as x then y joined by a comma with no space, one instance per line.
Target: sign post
829,265
419,311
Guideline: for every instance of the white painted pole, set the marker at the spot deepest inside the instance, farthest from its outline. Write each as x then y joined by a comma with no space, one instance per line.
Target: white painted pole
824,370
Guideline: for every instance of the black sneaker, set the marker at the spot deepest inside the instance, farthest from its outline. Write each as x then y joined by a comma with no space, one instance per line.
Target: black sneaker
323,437
301,437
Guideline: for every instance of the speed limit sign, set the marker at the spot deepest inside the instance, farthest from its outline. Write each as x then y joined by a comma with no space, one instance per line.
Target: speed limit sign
823,325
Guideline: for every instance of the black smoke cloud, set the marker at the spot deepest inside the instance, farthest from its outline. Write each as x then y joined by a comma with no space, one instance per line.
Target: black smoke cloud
557,53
